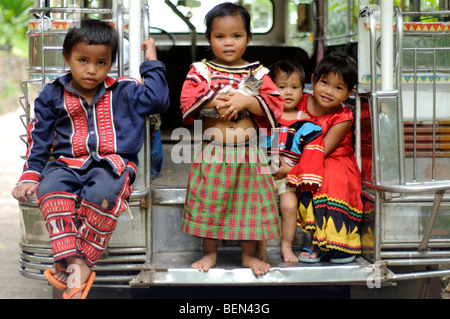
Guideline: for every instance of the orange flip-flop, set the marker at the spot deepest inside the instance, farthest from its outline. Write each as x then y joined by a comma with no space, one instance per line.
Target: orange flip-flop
52,280
84,288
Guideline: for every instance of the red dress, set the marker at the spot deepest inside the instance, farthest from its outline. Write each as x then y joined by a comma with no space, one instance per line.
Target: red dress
337,206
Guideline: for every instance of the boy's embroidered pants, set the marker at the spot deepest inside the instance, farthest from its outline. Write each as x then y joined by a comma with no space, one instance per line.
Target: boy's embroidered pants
81,230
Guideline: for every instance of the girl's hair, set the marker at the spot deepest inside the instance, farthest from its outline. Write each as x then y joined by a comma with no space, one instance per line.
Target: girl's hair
224,10
339,64
92,32
288,68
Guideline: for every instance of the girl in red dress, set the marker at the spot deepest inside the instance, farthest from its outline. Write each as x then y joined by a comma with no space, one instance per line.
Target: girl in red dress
334,217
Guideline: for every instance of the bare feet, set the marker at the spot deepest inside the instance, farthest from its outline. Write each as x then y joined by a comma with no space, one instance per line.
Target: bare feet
259,267
250,260
287,253
205,263
209,255
58,273
78,273
261,250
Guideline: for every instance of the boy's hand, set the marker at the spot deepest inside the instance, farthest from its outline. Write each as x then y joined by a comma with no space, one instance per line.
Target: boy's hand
150,49
22,191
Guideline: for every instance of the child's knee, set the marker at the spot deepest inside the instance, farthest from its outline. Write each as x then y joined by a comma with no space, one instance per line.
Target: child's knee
288,209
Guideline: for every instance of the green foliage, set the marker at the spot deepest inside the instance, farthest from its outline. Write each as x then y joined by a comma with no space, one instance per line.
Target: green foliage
13,15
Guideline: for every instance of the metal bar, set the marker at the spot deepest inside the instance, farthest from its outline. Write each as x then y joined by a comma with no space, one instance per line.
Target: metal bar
422,275
433,165
415,119
426,13
147,154
434,211
410,188
415,254
120,58
43,46
70,10
146,20
398,70
375,136
417,262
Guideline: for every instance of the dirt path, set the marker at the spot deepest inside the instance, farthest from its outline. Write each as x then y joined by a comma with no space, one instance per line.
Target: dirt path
14,285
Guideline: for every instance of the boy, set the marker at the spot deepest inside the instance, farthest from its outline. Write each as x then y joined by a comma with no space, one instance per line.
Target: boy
99,124
293,136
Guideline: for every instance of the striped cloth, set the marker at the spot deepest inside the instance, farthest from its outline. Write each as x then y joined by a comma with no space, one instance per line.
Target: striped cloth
230,194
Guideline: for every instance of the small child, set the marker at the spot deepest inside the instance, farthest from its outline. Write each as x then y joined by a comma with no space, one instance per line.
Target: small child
231,200
335,220
99,125
295,136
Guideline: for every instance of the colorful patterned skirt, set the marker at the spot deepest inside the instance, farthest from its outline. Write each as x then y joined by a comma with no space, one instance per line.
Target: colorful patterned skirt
334,213
230,194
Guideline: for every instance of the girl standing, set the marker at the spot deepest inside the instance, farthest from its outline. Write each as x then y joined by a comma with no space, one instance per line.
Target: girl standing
335,220
229,195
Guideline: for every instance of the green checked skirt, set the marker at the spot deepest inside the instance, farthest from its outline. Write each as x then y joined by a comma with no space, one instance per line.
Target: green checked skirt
230,194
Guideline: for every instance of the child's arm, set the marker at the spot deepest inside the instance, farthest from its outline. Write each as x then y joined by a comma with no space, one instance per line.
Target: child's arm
283,169
150,49
334,136
153,96
195,95
40,135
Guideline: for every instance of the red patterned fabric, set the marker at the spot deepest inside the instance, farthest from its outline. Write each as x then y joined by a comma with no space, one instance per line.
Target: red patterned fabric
337,204
205,79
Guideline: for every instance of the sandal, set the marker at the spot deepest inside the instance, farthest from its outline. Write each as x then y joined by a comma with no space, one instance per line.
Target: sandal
309,259
84,288
52,280
342,258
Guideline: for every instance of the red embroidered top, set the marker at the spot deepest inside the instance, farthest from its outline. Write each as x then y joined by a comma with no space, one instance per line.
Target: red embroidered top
205,79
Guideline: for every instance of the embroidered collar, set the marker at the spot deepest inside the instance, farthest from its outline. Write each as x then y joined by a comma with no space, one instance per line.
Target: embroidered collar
255,67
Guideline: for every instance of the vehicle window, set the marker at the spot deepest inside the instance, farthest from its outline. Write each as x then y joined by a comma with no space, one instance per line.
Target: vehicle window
163,17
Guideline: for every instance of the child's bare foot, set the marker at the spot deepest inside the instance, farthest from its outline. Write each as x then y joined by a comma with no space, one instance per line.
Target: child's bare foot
261,250
288,255
78,274
259,267
251,260
209,255
58,273
206,262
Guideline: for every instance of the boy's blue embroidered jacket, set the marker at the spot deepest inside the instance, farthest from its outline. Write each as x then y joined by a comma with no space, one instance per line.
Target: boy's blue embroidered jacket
111,128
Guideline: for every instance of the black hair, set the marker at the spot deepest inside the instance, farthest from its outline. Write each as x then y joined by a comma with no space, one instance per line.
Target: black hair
339,64
288,68
224,10
92,32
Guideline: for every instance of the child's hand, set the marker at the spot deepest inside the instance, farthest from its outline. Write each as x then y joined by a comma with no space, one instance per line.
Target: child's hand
283,169
22,191
231,104
150,49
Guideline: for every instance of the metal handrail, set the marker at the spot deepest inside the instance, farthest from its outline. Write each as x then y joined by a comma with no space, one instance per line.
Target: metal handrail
426,187
437,187
71,10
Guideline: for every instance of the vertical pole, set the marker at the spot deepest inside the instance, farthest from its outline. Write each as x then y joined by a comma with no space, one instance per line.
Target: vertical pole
135,38
387,37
